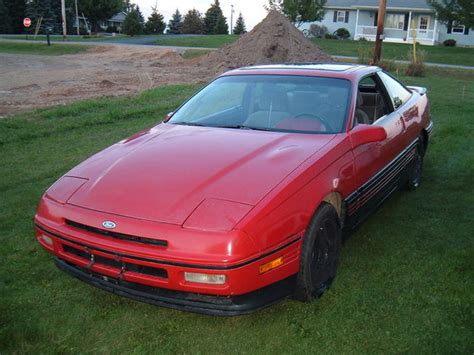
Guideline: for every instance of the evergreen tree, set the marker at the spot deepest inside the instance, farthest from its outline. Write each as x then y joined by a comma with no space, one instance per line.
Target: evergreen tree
14,15
176,23
240,26
5,20
193,23
221,27
49,10
155,23
213,16
127,6
133,22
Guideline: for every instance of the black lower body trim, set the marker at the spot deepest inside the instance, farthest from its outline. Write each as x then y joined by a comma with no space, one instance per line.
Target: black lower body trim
192,302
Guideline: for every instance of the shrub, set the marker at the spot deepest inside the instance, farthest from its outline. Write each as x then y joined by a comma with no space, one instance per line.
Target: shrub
388,65
111,29
364,54
416,67
450,43
342,33
330,36
317,31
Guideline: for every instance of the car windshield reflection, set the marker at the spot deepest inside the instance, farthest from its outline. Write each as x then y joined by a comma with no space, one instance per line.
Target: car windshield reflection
280,103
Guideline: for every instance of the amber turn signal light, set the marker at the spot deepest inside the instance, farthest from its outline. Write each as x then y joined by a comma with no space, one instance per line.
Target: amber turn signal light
271,265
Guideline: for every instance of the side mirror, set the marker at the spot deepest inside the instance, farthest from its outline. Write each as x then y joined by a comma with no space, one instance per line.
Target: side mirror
364,133
168,116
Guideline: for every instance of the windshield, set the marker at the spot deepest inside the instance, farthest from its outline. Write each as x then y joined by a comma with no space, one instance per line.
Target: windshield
270,102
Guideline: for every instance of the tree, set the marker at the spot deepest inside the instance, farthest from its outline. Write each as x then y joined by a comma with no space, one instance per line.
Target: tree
155,23
221,27
176,23
5,21
133,23
215,17
240,26
12,15
99,10
193,23
276,5
299,11
460,11
49,10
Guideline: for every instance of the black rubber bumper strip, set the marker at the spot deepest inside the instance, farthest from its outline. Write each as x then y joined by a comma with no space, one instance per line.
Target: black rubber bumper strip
165,262
185,301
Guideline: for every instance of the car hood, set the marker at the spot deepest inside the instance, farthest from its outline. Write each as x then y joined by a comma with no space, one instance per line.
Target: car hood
164,173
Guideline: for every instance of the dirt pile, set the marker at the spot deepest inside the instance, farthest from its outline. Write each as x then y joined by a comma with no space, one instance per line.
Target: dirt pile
274,40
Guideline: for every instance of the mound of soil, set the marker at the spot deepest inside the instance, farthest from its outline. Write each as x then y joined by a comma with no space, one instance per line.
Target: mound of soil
274,40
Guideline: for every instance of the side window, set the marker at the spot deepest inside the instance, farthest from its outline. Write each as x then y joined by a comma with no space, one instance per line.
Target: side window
371,103
397,92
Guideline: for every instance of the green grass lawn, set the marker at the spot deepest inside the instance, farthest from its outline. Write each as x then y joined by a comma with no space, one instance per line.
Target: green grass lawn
405,282
434,54
194,53
70,38
42,48
205,41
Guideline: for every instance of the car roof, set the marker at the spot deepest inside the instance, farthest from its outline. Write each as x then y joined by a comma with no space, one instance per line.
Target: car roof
340,70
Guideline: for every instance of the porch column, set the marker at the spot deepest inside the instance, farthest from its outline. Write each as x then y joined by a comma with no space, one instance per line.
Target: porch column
434,31
409,26
357,24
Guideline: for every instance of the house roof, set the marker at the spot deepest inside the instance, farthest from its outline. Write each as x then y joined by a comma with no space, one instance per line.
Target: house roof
118,17
391,4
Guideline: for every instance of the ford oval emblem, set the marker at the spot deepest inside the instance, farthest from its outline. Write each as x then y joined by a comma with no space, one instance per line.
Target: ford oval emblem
109,224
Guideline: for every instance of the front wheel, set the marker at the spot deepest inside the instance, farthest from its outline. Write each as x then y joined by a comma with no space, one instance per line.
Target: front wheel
319,254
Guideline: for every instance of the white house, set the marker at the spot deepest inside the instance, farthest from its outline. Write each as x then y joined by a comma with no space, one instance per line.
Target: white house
115,21
402,17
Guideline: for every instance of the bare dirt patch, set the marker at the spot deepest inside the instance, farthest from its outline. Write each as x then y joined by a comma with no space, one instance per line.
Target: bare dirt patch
29,81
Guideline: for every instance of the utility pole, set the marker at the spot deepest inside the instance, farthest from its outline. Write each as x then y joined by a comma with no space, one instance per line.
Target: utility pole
231,19
63,13
77,20
379,37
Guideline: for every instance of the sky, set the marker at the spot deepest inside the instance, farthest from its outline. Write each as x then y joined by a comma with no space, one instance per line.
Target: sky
252,10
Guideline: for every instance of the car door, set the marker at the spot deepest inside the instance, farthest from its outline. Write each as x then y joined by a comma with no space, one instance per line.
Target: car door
378,164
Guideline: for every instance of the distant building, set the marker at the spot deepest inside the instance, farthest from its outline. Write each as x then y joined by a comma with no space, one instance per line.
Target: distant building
359,17
115,21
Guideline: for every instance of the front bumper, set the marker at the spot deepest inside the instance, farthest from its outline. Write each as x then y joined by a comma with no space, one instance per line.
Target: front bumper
192,302
145,273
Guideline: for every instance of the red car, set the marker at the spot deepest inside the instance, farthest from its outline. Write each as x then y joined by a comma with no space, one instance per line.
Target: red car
243,195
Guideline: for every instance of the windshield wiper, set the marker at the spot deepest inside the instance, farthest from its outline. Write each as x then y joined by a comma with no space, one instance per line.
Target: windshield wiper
189,124
239,126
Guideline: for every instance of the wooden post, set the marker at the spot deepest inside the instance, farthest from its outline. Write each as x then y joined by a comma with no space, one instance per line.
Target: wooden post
379,36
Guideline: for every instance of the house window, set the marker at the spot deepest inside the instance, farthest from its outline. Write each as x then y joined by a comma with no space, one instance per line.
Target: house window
458,28
341,16
395,21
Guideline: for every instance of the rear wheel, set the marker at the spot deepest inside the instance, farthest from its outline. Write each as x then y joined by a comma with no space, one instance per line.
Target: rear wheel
416,167
319,254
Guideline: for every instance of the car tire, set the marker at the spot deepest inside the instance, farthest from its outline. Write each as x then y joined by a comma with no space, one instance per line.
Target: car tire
415,169
319,254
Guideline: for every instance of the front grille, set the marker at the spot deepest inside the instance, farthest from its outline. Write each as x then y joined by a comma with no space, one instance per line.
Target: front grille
115,235
141,269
